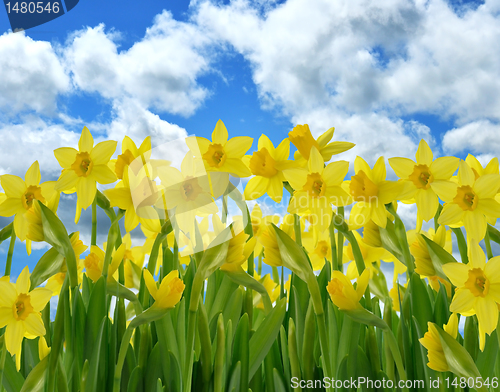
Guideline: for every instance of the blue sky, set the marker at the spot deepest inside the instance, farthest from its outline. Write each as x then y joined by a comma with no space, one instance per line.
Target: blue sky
385,74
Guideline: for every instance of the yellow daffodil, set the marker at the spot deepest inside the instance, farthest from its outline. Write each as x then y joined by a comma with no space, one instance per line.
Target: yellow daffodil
432,342
421,177
452,326
470,202
136,194
316,188
423,261
170,291
371,192
187,193
238,252
221,154
56,281
396,296
84,167
272,288
491,168
268,240
302,138
20,196
94,263
259,224
343,293
318,250
267,165
132,257
478,288
20,311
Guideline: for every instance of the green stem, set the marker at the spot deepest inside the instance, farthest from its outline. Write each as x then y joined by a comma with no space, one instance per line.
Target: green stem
121,358
2,358
360,264
462,244
193,312
436,217
93,240
488,245
10,252
333,245
259,269
403,239
224,209
340,242
296,227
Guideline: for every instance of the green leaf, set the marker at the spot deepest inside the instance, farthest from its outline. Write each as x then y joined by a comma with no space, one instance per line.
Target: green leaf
56,235
96,312
420,302
241,351
262,340
216,255
36,379
441,306
390,240
486,359
92,376
6,232
458,359
439,257
279,385
119,290
48,265
244,279
135,381
364,316
492,231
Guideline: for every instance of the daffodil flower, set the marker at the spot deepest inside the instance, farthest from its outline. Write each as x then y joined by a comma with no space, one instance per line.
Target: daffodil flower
272,288
259,224
20,311
267,164
470,202
343,293
302,138
84,167
20,195
94,263
221,154
316,188
371,192
478,288
435,353
319,250
238,252
421,177
170,291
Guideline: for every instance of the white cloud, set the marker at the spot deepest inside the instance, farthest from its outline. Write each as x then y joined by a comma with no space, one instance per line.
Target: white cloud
478,136
31,74
159,71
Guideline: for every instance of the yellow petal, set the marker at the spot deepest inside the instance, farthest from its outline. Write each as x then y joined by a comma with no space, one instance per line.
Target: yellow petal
39,298
23,281
150,283
360,164
389,191
102,152
477,258
14,336
315,162
465,174
33,176
66,156
275,189
67,180
424,153
489,207
86,190
9,294
492,270
427,203
463,301
378,171
34,324
197,145
256,187
283,150
444,167
403,167
13,185
131,220
236,167
334,149
103,174
486,187
335,172
11,206
458,273
360,215
487,314
238,146
6,316
296,177
86,141
475,224
492,167
451,214
119,197
446,190
219,135
379,214
325,137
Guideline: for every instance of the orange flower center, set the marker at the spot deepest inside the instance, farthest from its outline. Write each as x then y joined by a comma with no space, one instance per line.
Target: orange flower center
362,188
335,287
215,155
22,307
421,177
315,185
32,192
322,249
122,161
190,189
466,198
262,164
478,283
82,165
92,262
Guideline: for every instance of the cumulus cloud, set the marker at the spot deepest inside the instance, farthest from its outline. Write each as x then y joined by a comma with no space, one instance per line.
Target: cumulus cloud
478,136
32,75
159,71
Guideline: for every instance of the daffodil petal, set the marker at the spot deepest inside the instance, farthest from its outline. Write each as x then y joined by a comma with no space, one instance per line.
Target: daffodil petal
11,206
33,176
39,298
360,164
378,171
103,174
66,156
475,224
23,281
86,190
315,163
446,190
197,145
335,172
236,147
9,294
220,135
14,334
150,283
424,153
458,273
236,167
465,174
444,167
6,316
489,207
67,180
256,187
13,185
102,152
463,301
86,141
34,324
487,314
427,203
275,189
403,167
450,214
486,187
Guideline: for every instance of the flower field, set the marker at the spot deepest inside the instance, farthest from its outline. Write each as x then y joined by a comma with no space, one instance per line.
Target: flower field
217,298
